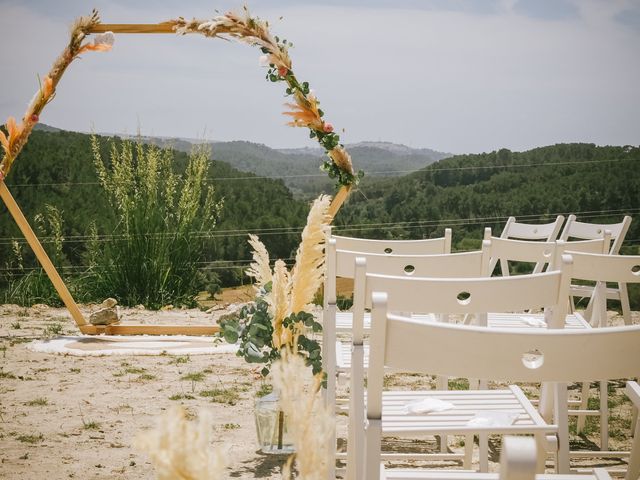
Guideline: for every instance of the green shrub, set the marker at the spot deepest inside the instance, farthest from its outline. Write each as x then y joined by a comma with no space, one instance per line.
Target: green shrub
163,217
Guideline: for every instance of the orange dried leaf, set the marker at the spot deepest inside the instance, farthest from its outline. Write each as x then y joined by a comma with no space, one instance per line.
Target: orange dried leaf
4,141
100,47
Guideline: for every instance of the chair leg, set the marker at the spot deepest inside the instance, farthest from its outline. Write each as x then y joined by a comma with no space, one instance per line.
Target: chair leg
604,415
561,419
468,452
584,404
541,459
483,447
624,302
442,383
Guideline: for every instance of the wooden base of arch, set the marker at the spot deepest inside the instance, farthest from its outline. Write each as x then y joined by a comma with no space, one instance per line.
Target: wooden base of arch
69,302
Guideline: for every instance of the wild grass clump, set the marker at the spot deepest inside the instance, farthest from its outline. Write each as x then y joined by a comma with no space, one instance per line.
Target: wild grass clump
162,217
22,280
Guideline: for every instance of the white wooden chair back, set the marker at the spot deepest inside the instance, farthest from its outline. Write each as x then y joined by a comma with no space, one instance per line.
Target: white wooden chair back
473,295
532,231
618,231
602,268
588,231
544,355
385,256
428,246
547,232
541,253
333,243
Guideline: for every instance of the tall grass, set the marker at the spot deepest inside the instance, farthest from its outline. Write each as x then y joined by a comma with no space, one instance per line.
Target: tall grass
24,284
162,216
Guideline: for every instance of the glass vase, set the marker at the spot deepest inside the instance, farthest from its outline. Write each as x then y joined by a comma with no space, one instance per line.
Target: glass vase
271,426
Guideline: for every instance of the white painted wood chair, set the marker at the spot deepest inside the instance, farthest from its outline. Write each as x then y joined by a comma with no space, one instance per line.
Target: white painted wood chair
471,296
340,255
430,246
335,321
585,231
540,253
547,232
337,355
544,355
549,253
599,268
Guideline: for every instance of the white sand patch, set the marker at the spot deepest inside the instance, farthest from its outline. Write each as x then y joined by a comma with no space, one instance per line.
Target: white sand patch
100,345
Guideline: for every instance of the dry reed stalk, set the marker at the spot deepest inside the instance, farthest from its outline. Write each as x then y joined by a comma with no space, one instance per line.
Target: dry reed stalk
279,298
309,421
260,268
308,271
293,292
181,449
18,134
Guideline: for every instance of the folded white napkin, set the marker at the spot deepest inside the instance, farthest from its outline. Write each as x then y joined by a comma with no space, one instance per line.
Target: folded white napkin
491,418
534,322
427,405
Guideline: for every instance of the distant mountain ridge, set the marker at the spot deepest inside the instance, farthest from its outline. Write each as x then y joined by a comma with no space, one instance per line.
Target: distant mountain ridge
299,167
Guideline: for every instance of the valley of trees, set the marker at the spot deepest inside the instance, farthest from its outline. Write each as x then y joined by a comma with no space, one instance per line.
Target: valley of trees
465,192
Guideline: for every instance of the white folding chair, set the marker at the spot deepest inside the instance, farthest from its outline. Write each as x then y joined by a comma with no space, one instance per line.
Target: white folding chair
341,265
475,295
337,321
337,356
430,246
541,253
547,232
599,268
545,355
585,231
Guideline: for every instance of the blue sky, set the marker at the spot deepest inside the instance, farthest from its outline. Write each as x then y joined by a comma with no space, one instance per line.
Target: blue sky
454,75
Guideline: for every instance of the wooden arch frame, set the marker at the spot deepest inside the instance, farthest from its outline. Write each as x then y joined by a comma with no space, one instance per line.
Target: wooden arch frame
240,27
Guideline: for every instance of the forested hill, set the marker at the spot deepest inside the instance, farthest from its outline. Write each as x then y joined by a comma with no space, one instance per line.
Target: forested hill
469,192
299,168
56,167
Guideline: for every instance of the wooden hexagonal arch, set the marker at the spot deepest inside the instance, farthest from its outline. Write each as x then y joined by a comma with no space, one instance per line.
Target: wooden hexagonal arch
305,112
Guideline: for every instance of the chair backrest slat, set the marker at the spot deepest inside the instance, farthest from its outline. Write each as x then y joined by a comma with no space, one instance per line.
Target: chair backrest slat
467,295
528,231
469,264
605,268
516,355
429,246
541,253
586,231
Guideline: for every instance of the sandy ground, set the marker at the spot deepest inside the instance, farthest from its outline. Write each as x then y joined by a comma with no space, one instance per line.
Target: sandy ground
75,417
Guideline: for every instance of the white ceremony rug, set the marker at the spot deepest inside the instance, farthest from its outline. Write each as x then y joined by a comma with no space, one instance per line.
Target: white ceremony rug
98,345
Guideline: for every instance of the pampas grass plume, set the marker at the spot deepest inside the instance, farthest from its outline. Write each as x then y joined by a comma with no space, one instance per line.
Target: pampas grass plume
181,449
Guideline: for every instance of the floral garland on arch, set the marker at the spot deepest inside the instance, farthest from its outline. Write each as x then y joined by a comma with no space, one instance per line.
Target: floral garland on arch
305,110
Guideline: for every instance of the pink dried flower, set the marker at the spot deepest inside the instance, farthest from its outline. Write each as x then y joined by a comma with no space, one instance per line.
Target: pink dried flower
327,127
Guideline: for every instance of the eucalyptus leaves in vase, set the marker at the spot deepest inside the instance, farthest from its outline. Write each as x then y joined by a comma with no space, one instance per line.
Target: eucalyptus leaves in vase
281,316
